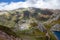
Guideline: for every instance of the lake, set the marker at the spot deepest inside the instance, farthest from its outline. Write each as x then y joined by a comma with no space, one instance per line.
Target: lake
57,33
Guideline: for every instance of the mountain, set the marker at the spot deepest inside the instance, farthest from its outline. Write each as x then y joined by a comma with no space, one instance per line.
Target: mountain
31,23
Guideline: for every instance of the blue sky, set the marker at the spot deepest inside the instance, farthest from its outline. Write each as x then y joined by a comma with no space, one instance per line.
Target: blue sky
15,4
9,1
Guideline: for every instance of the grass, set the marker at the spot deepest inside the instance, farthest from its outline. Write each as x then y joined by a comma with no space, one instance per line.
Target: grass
56,22
52,36
7,30
48,27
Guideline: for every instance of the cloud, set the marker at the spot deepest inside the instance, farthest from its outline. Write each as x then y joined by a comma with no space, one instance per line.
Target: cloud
50,4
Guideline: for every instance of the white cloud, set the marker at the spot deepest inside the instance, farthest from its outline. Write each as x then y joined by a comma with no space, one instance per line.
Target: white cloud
51,4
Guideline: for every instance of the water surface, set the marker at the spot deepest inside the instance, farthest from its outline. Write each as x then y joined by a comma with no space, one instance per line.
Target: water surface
57,33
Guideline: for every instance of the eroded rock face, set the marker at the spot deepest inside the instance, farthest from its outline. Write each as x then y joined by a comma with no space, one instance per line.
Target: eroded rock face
56,27
4,36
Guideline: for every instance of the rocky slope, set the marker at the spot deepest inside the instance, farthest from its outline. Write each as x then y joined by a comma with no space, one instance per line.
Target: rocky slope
30,23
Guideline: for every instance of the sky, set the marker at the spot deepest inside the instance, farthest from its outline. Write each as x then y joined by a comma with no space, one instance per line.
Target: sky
15,4
9,1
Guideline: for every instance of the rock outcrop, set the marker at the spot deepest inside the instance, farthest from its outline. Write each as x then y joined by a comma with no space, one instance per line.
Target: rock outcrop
56,27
